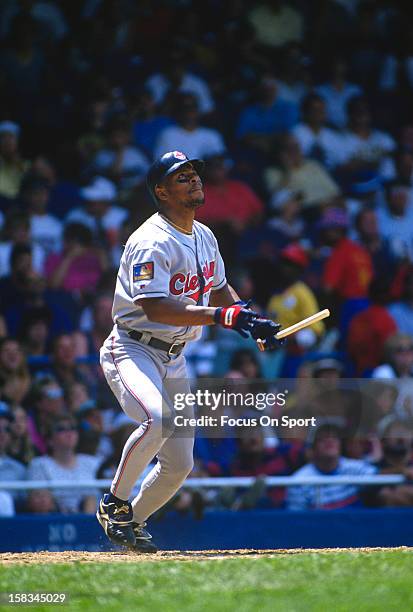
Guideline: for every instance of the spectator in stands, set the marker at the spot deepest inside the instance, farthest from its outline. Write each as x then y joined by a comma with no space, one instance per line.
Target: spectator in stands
337,92
34,334
369,236
45,229
402,311
227,201
396,439
305,176
213,456
23,64
398,366
370,329
17,232
317,141
76,395
327,460
254,459
270,115
363,147
398,357
188,136
92,438
64,464
148,123
175,78
295,78
293,299
121,162
100,214
230,206
285,226
80,265
15,379
10,469
21,447
119,435
349,269
40,501
63,363
276,23
89,342
245,363
23,288
92,138
45,405
288,226
395,219
63,194
12,166
48,18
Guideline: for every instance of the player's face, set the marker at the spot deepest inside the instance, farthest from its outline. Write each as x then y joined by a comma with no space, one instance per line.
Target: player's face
185,187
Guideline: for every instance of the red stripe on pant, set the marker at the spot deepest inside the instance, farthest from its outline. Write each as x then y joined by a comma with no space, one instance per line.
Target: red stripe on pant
146,411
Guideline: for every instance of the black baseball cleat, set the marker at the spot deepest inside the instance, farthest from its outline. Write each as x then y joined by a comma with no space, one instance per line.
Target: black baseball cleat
116,519
144,542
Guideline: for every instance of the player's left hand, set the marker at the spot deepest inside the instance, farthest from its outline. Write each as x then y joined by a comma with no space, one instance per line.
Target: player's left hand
265,330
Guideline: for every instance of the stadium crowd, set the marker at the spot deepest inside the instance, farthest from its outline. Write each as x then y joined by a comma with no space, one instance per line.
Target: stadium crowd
302,112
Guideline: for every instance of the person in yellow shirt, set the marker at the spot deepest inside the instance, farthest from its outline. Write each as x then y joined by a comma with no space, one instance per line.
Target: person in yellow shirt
294,300
12,166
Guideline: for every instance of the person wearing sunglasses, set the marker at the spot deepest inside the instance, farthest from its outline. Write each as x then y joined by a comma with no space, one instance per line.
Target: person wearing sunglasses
64,463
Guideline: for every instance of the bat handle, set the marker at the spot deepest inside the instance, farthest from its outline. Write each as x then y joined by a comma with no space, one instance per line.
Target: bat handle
260,344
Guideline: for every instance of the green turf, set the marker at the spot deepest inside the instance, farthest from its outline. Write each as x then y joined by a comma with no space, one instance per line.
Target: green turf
347,581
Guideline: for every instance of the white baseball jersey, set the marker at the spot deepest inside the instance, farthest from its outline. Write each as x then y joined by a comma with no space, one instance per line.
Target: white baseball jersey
161,261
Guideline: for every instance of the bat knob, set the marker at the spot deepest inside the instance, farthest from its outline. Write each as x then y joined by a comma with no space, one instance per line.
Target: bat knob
260,344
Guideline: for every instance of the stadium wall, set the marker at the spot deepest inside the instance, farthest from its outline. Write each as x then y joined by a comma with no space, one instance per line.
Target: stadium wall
220,530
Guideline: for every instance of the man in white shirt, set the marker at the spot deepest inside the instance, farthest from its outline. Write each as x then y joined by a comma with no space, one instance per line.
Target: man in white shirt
121,162
395,219
99,213
316,140
363,147
188,135
337,92
327,461
175,77
45,229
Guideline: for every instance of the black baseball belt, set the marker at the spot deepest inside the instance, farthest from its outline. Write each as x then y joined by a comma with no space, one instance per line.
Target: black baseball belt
175,348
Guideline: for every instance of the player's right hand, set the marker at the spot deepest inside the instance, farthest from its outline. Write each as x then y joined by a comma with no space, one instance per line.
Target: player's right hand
236,317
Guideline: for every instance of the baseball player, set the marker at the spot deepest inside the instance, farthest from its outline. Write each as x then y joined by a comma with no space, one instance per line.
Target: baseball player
171,281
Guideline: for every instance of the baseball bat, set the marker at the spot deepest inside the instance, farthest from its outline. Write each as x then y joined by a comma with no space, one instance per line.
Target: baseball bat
283,333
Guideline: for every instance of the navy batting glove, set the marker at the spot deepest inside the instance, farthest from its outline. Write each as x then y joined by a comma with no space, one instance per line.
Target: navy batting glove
265,329
236,317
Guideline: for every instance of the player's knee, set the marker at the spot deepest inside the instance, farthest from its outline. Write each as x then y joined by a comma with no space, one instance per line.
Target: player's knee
184,468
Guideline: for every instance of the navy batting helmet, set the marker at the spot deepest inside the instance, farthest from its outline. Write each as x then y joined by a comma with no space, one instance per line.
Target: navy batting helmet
167,164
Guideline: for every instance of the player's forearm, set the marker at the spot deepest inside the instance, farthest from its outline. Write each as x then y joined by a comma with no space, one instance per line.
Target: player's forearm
171,312
224,296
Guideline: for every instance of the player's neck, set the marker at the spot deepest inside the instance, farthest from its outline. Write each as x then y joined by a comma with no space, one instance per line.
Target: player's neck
183,221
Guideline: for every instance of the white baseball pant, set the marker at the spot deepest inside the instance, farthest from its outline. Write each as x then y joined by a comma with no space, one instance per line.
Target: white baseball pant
136,373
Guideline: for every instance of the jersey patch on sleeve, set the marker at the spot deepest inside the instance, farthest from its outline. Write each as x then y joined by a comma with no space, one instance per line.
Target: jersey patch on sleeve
143,271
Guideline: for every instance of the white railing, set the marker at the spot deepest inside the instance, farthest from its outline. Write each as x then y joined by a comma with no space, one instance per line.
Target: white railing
191,483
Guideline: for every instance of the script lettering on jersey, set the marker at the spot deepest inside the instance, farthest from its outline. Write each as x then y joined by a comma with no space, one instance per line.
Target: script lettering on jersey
188,284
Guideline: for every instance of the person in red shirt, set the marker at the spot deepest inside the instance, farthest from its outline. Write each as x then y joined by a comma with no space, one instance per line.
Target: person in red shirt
349,269
370,329
230,205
